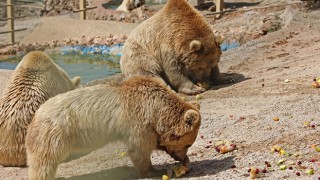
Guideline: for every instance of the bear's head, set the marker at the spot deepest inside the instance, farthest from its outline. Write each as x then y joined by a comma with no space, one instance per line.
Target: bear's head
181,135
203,56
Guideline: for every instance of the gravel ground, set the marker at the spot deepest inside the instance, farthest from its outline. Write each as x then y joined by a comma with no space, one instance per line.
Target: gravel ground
274,73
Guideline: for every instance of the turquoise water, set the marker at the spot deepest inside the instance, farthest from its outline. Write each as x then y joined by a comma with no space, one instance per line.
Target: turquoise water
89,67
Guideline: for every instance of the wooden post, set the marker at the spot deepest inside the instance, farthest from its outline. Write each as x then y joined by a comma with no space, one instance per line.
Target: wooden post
219,5
83,6
10,16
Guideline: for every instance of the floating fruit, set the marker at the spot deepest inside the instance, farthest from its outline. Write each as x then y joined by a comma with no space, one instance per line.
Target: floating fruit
180,170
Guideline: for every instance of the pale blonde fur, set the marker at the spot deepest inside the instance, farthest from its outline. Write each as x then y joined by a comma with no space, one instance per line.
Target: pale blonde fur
35,79
140,112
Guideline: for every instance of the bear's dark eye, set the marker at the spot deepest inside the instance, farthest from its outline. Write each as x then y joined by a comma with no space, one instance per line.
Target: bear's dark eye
202,50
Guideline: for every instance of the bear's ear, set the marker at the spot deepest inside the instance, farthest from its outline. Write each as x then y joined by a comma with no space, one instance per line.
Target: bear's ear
195,104
195,45
219,39
76,81
191,118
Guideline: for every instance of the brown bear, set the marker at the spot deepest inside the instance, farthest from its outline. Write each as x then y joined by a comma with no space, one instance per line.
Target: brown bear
174,43
35,80
88,118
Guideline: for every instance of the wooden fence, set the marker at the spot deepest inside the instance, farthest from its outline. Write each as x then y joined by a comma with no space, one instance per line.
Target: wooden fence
11,17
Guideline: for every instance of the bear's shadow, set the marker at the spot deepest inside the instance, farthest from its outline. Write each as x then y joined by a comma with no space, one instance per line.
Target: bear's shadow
235,76
197,169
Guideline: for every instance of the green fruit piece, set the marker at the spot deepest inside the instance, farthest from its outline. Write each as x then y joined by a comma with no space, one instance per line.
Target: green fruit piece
283,167
165,177
310,171
281,161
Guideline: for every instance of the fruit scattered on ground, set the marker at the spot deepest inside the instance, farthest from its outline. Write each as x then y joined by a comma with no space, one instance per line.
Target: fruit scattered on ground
180,170
165,177
310,171
283,167
255,173
224,146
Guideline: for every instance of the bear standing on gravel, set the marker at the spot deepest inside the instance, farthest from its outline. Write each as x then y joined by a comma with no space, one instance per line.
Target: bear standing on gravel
89,118
35,80
172,44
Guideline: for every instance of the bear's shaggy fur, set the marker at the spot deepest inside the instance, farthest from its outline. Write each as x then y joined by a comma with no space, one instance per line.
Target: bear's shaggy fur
174,43
140,112
35,80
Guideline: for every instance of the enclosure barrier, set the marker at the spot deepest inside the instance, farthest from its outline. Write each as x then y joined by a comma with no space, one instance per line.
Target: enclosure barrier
83,9
10,19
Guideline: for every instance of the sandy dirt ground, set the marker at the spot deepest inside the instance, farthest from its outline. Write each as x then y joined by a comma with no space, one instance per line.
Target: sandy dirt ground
274,73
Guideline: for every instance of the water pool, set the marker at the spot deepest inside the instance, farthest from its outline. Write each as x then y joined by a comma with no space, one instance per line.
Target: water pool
89,67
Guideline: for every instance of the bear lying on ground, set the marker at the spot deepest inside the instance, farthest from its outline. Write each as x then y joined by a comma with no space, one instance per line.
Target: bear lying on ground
175,43
141,112
35,80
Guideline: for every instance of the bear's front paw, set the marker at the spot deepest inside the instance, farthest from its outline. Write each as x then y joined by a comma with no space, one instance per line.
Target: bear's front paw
224,80
192,91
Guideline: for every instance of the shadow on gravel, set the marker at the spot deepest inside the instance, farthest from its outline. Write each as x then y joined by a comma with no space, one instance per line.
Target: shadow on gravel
119,173
209,167
197,169
235,76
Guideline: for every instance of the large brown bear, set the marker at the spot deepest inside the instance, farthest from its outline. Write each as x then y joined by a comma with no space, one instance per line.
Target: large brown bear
140,112
175,43
35,80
